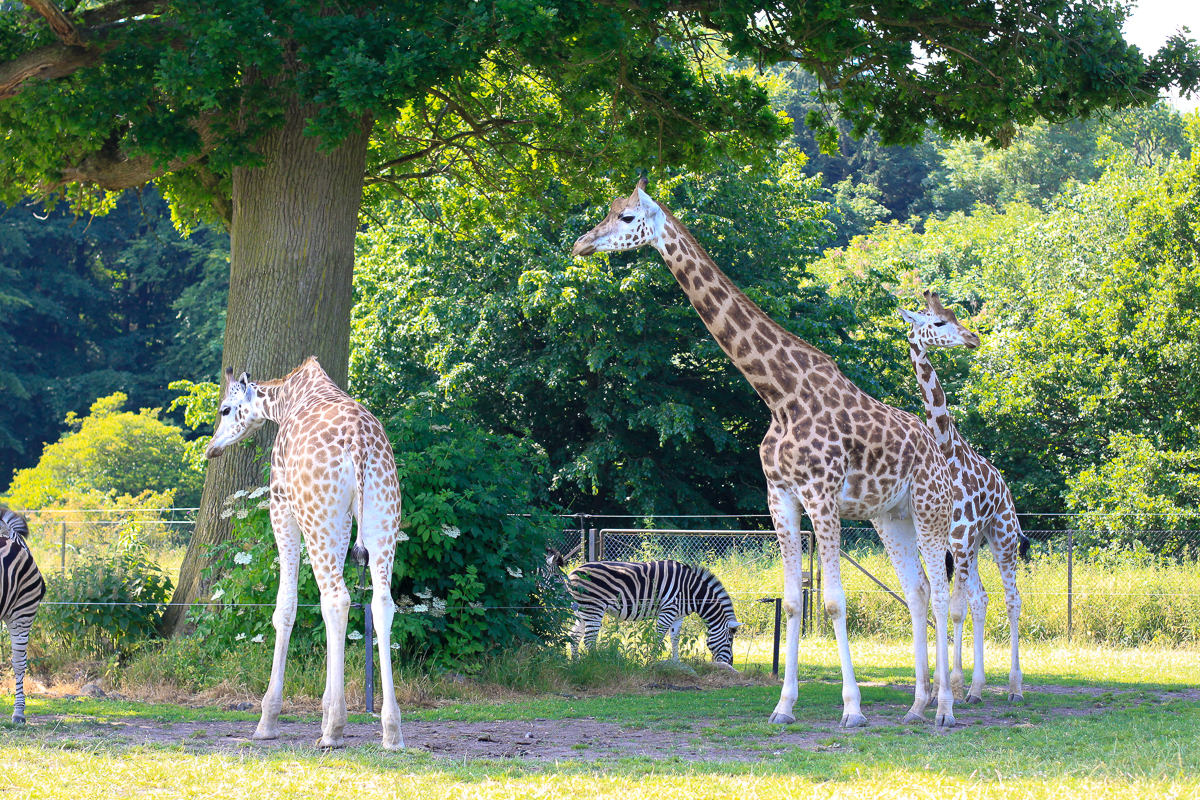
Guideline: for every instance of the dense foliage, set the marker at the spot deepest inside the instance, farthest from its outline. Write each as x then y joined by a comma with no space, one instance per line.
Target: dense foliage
109,456
603,362
110,600
467,579
1085,391
90,306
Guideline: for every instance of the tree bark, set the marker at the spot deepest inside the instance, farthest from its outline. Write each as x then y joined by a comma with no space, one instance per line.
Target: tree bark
290,295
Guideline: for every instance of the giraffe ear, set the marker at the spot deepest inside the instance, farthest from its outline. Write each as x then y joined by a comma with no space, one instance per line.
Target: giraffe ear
908,316
245,379
643,184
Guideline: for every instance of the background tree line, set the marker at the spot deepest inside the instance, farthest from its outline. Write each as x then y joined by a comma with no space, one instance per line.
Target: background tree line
1073,250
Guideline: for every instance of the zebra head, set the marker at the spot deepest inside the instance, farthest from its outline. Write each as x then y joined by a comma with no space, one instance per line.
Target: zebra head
241,414
720,640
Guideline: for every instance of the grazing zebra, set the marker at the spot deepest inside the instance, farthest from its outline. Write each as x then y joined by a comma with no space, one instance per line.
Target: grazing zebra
665,590
21,589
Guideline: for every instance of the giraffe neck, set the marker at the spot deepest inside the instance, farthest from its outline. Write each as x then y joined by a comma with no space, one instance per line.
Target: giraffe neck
752,340
937,411
272,399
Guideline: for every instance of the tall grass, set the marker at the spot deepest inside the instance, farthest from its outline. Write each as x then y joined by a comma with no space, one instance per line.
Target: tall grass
1118,599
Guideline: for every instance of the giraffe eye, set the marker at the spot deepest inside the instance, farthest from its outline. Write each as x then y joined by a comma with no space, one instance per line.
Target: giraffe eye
627,218
939,323
225,411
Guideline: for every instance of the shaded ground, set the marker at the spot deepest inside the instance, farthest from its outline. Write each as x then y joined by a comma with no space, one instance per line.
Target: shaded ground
704,738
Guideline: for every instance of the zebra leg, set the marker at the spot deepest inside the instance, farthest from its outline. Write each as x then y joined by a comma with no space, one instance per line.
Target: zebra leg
670,622
18,631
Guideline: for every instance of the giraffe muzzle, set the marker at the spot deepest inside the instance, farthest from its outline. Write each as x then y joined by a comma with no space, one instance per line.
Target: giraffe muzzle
213,451
583,246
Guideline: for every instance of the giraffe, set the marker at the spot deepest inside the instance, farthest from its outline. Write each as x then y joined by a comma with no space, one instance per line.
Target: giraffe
988,505
831,451
331,460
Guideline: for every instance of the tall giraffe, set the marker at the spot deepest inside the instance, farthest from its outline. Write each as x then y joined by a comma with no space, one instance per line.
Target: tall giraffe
331,461
988,502
831,450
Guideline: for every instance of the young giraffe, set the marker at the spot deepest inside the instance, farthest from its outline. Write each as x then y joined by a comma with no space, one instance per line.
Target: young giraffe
831,449
331,460
988,506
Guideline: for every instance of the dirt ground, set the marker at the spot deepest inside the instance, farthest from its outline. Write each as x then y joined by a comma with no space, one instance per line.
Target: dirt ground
556,740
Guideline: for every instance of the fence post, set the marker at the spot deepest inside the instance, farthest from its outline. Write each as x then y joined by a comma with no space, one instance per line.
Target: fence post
591,545
368,636
63,548
1070,581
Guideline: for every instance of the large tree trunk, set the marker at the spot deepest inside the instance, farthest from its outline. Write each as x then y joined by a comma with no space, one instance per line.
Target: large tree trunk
290,282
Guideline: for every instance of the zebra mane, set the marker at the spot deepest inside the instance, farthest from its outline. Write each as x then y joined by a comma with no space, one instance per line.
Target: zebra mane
13,525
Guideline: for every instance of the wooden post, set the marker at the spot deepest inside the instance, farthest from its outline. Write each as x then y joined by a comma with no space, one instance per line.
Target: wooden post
1070,581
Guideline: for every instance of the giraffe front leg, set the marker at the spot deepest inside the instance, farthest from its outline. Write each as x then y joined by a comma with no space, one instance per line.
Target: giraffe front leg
899,538
288,542
978,599
958,613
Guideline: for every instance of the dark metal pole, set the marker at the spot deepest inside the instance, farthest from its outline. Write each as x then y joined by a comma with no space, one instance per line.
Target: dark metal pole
591,545
369,639
775,650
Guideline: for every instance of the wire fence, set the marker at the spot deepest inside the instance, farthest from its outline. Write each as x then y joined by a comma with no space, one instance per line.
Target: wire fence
1084,577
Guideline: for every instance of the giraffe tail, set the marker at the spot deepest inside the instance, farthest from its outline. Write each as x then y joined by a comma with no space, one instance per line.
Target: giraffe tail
359,551
949,566
1022,544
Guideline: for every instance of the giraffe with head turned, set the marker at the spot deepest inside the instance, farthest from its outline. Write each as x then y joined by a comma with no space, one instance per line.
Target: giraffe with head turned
331,461
831,451
988,506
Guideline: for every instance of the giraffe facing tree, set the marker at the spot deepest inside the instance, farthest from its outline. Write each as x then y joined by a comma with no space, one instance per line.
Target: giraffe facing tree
988,503
831,451
331,461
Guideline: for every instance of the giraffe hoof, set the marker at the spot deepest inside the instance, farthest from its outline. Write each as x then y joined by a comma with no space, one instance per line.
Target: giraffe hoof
261,735
853,721
974,698
1013,697
330,744
395,744
777,718
913,716
944,722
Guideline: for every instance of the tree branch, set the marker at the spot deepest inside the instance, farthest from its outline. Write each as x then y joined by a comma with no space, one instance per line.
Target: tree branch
122,9
63,28
47,63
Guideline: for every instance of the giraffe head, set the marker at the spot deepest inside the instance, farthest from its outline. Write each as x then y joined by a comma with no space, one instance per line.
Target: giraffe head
241,414
936,326
632,222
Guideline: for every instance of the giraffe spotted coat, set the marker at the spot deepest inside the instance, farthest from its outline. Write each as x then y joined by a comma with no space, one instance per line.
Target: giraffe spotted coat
831,450
331,461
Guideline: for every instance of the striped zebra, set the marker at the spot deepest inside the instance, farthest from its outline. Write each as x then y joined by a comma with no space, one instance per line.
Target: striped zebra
21,590
668,591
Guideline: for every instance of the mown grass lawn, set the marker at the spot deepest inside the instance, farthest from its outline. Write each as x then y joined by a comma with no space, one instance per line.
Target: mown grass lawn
1124,733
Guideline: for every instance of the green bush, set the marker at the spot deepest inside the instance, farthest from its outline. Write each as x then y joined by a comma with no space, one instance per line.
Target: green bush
109,602
465,581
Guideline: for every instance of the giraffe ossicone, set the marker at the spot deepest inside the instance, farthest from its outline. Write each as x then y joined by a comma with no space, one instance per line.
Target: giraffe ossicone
331,462
989,509
831,451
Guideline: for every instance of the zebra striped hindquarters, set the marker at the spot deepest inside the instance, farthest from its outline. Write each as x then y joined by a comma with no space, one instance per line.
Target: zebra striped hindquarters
667,591
21,590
